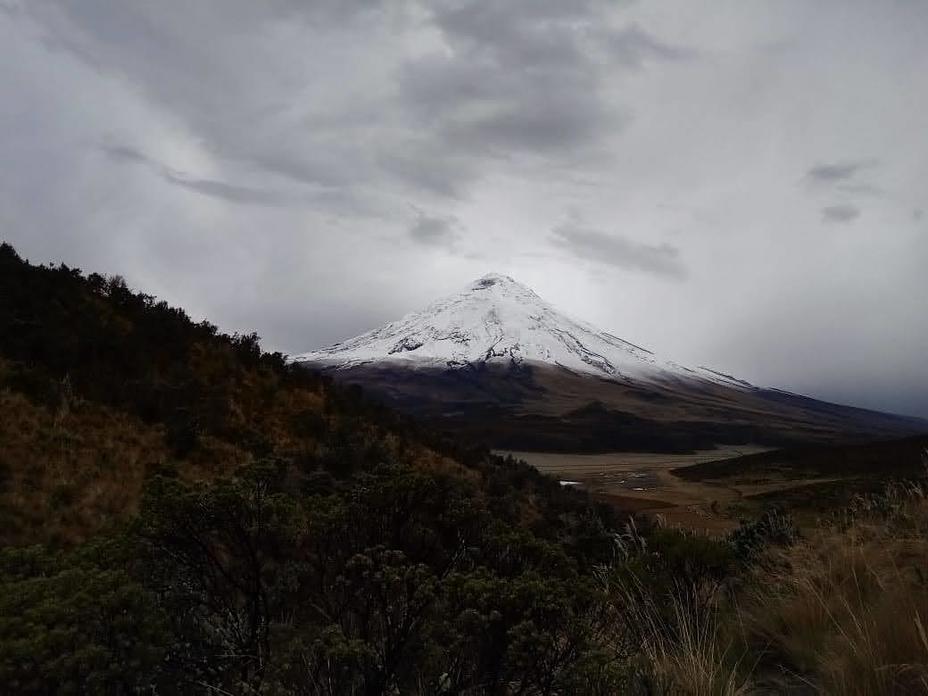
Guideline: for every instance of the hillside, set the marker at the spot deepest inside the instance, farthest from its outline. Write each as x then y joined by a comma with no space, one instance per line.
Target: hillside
206,490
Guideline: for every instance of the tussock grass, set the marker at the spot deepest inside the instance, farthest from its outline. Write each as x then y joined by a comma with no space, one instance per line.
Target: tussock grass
842,609
670,617
684,647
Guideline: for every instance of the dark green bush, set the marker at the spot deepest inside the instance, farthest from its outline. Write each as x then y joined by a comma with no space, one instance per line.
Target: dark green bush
71,625
773,528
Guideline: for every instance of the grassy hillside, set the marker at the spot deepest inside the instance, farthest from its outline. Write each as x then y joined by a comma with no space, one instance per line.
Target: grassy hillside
103,388
181,513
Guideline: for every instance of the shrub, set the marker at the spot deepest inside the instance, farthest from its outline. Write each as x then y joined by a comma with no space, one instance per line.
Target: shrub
754,537
70,625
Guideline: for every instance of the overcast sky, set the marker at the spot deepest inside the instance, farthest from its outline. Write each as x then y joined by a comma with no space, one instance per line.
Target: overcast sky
738,184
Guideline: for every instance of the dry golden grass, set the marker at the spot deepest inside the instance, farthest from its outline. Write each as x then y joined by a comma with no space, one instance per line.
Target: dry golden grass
70,472
686,651
845,611
212,458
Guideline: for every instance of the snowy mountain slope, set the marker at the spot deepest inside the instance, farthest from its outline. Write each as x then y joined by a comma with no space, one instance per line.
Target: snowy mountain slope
574,388
499,321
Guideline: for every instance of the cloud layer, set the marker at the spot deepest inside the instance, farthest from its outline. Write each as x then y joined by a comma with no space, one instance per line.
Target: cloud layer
618,251
738,186
840,213
838,171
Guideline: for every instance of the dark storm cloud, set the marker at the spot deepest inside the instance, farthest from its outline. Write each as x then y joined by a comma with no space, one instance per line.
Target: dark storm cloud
482,107
550,34
434,231
838,171
525,77
615,250
840,214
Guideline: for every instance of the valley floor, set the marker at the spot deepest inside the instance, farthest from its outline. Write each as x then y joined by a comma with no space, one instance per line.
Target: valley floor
645,482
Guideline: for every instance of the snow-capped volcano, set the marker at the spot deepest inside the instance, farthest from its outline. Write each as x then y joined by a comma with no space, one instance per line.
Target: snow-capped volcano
499,321
497,364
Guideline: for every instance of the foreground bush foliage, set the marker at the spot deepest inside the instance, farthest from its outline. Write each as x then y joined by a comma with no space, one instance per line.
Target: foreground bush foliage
73,624
403,582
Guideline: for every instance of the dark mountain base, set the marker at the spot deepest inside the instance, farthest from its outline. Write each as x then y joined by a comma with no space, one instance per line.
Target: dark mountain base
533,407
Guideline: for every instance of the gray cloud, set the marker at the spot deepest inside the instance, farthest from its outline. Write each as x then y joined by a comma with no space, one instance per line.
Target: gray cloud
434,231
206,187
525,77
341,200
123,153
423,165
480,106
839,171
612,249
840,214
634,48
843,177
862,189
225,191
521,79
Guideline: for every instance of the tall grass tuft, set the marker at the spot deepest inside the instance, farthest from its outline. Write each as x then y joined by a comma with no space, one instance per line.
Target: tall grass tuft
669,620
684,648
845,611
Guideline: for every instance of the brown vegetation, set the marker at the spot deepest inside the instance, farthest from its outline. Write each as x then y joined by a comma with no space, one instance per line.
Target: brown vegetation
841,611
69,473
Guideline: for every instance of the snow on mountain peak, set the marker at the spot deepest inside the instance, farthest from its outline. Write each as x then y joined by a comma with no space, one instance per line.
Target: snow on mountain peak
499,283
497,320
491,279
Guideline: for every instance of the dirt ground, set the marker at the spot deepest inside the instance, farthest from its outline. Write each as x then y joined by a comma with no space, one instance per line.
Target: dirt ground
642,482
